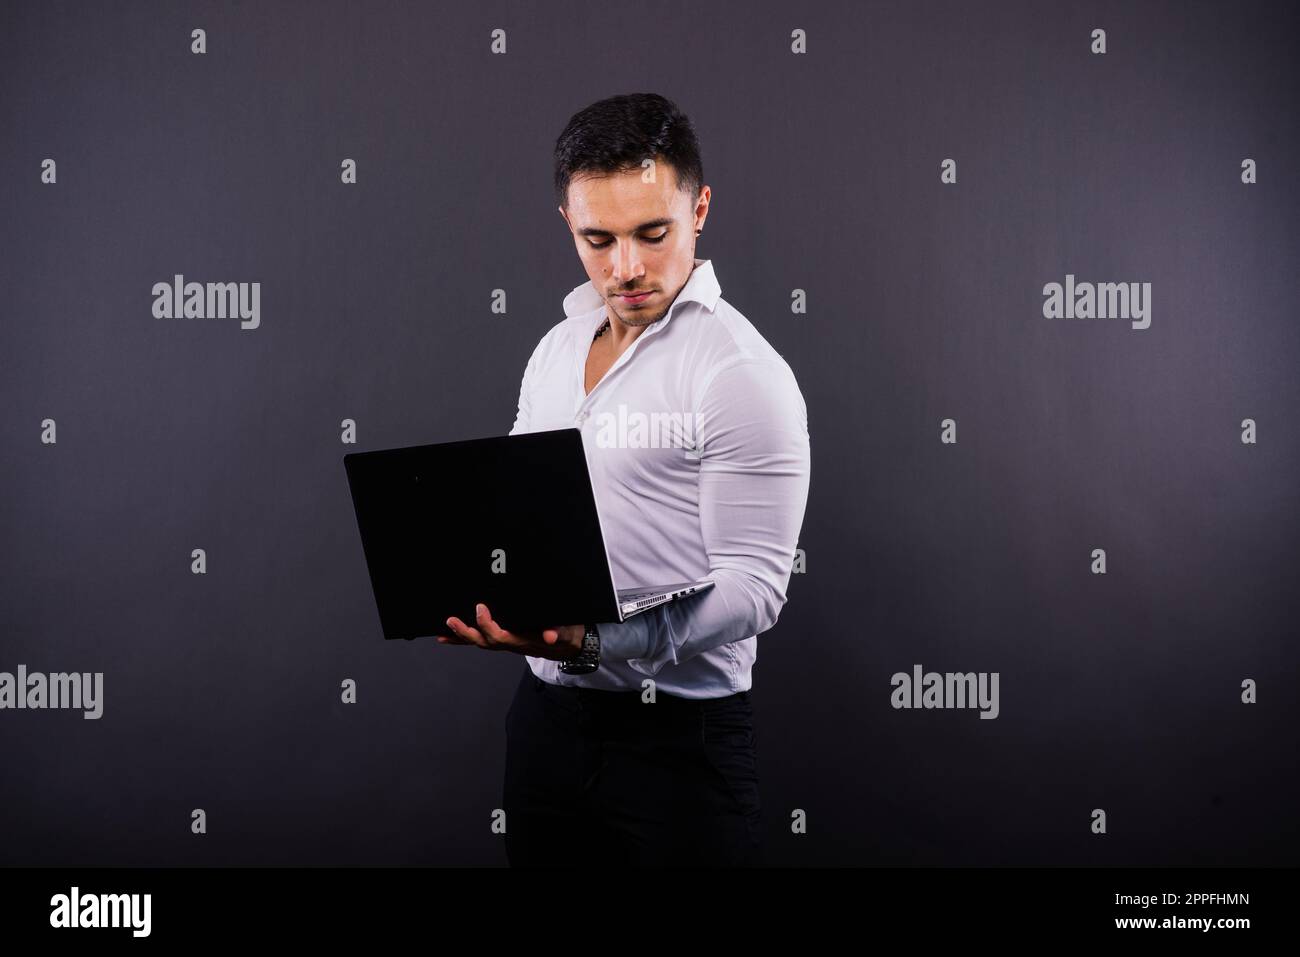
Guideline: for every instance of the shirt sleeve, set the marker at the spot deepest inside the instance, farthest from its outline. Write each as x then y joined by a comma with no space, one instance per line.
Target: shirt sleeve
754,472
523,415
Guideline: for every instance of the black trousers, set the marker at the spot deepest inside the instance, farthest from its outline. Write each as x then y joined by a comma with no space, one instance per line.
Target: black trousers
598,778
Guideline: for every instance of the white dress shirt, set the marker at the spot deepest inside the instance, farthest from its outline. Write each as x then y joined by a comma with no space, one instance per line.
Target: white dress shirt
719,495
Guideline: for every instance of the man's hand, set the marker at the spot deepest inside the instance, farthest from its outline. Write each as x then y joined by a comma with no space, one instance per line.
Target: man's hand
564,641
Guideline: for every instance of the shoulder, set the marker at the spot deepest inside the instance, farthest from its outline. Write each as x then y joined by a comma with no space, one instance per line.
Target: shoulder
724,340
560,338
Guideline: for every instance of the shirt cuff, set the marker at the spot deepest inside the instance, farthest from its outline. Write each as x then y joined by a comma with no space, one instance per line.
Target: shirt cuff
635,640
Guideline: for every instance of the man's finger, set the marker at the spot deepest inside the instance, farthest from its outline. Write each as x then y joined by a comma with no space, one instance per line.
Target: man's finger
490,628
466,632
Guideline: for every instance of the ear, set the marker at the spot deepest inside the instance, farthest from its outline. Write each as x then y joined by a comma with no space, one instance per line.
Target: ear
565,217
702,206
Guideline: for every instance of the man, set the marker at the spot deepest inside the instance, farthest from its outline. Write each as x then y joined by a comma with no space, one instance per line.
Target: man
650,758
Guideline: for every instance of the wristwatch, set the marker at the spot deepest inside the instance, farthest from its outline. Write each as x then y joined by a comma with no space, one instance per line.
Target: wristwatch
587,660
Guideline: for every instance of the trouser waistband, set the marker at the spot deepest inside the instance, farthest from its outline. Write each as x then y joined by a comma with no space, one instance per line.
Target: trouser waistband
601,699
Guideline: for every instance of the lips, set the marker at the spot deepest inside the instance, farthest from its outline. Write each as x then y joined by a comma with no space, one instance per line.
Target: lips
635,297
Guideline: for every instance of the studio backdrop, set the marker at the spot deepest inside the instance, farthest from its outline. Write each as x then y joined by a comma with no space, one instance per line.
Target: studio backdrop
1033,266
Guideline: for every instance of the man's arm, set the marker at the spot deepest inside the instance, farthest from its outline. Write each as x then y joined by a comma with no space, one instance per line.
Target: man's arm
754,471
525,408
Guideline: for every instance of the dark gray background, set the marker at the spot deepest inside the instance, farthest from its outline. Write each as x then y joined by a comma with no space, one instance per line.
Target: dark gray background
222,691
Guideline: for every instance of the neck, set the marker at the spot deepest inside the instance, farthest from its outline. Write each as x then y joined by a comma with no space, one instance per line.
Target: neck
620,334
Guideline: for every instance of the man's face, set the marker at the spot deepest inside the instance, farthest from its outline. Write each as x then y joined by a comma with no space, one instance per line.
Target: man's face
635,237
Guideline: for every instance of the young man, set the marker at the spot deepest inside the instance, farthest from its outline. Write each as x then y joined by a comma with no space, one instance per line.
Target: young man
649,759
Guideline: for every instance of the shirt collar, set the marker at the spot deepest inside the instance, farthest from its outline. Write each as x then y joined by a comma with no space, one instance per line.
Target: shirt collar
701,287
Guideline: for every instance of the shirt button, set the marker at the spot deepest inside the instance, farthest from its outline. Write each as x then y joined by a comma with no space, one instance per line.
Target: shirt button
582,417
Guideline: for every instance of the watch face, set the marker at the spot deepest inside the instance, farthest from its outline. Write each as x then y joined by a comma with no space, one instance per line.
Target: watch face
587,660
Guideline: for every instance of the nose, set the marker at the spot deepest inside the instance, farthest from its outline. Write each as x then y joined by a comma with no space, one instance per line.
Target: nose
627,264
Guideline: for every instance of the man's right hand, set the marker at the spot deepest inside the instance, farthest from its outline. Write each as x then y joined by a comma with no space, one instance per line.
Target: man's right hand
558,644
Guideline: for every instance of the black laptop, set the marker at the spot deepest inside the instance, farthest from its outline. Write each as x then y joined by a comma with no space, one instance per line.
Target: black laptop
510,521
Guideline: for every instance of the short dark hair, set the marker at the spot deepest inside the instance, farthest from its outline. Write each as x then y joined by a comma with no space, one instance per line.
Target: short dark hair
618,133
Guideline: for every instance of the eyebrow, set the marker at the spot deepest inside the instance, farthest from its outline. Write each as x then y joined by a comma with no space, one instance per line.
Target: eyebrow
592,231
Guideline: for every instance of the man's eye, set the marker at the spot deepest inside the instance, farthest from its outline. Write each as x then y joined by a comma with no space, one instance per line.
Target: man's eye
650,239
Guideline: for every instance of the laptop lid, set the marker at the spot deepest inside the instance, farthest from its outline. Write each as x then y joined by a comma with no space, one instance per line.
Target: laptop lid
510,521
